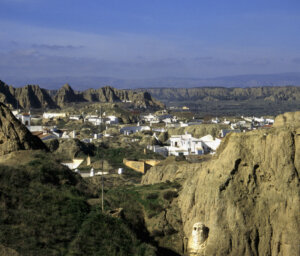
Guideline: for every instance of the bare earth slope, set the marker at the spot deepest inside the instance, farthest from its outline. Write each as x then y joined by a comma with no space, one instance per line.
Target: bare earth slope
248,195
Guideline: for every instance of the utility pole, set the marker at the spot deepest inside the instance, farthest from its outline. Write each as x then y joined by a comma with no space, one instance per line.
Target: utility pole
100,118
102,182
102,186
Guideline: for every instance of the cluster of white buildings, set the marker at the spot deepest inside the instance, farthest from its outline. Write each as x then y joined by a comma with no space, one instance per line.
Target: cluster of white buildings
170,121
177,144
259,120
97,120
187,145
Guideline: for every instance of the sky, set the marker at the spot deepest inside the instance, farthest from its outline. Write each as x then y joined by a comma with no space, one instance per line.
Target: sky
147,39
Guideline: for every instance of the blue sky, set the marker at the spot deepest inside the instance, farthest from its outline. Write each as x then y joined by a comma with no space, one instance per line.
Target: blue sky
142,39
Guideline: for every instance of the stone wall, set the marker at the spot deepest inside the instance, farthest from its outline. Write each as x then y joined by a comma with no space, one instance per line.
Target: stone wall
142,165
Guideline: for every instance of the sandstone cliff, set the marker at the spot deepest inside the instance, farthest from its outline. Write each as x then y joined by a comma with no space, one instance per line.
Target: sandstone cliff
247,197
14,135
288,119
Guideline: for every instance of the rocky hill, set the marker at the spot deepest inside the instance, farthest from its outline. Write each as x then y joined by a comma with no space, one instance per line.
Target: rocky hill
110,94
32,96
29,96
66,95
246,200
14,135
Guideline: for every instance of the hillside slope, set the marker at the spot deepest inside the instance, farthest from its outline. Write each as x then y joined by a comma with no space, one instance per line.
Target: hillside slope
44,211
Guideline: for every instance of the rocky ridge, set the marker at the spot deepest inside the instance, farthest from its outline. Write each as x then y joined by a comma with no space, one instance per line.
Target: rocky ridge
32,96
247,196
14,135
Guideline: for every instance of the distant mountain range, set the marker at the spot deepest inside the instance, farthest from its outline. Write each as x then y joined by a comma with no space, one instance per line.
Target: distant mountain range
85,82
33,96
210,94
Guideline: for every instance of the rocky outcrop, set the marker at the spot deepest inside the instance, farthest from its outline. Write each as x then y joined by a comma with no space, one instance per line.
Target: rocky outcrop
247,197
66,95
32,96
6,94
288,119
14,135
69,148
110,95
29,96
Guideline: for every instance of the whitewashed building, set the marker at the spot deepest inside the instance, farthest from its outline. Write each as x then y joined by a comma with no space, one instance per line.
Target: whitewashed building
209,143
150,118
94,119
75,117
185,145
24,118
54,115
112,120
127,130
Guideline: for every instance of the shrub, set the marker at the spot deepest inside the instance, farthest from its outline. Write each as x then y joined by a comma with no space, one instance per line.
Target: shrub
152,196
169,195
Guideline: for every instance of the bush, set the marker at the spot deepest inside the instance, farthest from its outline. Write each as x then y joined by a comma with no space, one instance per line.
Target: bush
152,196
169,195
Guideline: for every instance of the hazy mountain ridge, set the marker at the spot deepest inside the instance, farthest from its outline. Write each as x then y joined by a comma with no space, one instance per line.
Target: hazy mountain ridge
85,82
32,96
268,93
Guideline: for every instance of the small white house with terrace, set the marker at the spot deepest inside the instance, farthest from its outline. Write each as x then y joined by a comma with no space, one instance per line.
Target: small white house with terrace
185,145
188,145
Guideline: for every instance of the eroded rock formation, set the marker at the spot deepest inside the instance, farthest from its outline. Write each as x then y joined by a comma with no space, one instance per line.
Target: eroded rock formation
32,96
14,135
248,195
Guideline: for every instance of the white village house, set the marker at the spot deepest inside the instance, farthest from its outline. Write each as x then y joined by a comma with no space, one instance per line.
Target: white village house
188,145
185,145
112,120
127,130
24,118
96,120
54,115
